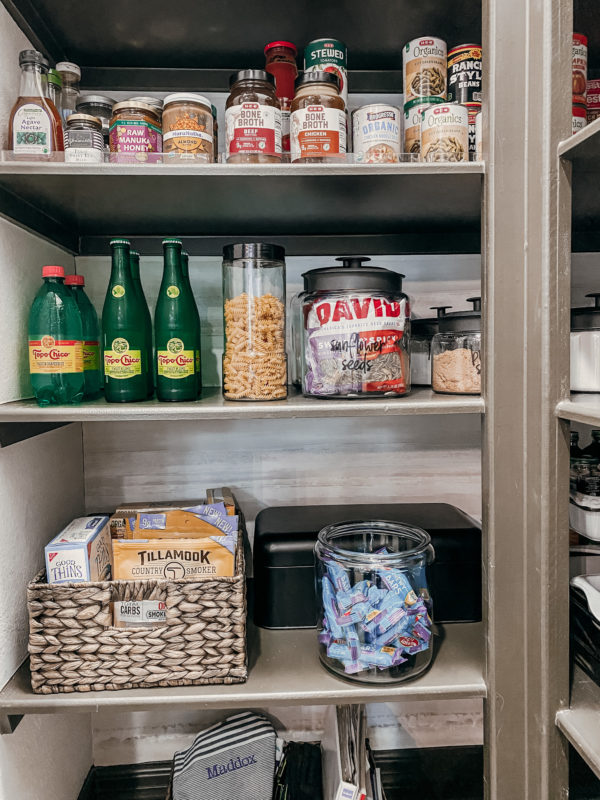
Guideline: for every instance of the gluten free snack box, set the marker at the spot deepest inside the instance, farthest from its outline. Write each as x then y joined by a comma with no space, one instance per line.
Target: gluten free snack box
81,552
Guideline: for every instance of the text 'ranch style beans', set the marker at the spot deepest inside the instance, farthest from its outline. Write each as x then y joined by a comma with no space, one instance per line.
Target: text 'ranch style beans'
580,58
376,134
424,65
464,74
445,133
413,116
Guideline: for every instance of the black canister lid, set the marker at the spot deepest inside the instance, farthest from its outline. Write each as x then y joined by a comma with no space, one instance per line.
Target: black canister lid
318,77
587,318
251,75
354,279
352,261
463,321
254,250
428,326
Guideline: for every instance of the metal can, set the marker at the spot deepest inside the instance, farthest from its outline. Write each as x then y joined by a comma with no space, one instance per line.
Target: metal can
328,55
580,58
424,66
579,117
464,74
473,109
413,115
377,132
445,133
84,142
593,100
479,137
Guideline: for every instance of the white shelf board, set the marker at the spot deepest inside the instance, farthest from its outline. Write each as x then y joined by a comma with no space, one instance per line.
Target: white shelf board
284,670
580,408
581,722
213,406
582,146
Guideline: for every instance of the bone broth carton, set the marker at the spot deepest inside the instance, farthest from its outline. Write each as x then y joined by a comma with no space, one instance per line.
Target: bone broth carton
81,552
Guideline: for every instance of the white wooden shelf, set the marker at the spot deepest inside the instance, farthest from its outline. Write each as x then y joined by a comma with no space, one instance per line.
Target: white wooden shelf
584,145
580,408
581,722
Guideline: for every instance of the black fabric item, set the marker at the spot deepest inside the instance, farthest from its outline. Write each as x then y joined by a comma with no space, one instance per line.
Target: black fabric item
300,774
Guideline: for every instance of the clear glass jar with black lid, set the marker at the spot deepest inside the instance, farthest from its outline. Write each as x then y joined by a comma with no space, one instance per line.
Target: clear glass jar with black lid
422,332
97,105
83,139
585,347
252,119
254,357
356,331
456,352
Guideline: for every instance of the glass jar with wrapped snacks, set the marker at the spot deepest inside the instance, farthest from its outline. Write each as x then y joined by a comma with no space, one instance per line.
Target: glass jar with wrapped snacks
254,357
375,614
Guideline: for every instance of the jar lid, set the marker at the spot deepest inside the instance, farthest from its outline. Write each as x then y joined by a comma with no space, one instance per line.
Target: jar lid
289,45
588,317
91,120
74,280
53,272
135,105
94,99
153,102
251,75
352,278
318,77
254,250
69,68
428,326
32,57
54,77
187,97
463,321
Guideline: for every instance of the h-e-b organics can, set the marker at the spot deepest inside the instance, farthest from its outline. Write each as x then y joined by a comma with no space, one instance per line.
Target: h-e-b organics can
445,133
413,116
424,66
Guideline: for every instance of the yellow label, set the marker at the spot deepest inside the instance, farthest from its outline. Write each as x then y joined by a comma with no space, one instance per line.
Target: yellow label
172,291
121,362
50,356
175,362
118,290
91,355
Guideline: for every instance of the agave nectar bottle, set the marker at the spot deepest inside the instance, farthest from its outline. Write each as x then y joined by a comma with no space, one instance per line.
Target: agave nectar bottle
175,333
124,342
135,274
185,268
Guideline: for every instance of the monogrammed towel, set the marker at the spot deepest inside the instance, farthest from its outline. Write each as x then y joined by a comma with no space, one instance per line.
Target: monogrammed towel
233,760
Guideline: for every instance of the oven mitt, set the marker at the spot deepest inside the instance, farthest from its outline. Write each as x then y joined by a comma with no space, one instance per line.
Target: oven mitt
233,760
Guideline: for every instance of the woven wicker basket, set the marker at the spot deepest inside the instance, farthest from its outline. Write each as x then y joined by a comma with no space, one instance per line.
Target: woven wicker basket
74,648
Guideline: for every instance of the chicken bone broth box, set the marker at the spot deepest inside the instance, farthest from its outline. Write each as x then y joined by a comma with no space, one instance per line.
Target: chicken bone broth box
174,559
81,552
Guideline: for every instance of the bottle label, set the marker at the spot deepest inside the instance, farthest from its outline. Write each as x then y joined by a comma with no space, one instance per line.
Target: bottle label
253,129
32,130
48,356
91,356
176,362
84,146
173,292
118,290
318,132
187,140
135,136
121,362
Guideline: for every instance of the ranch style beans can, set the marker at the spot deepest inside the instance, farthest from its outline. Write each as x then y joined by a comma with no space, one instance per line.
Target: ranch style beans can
464,74
424,65
413,116
377,133
580,58
328,55
473,109
445,133
579,117
479,137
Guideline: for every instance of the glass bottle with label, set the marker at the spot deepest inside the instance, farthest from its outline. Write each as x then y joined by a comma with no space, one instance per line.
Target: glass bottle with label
134,258
92,373
318,121
124,344
252,119
71,75
55,89
185,268
281,63
55,342
35,127
175,331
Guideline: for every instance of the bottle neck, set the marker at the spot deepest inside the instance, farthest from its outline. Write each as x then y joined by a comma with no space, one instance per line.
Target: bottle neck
33,81
135,268
60,281
185,269
172,271
121,270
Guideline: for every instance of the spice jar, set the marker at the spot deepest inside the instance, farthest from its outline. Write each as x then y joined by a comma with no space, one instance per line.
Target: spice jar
456,352
83,139
97,105
585,347
254,358
356,333
135,132
187,126
281,64
252,119
375,613
422,332
318,122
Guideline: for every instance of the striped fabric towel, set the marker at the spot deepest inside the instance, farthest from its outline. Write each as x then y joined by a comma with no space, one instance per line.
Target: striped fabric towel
233,760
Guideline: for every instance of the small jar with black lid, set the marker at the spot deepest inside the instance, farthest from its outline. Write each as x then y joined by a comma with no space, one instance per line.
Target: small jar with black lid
318,119
252,119
585,347
456,352
356,332
84,143
422,332
97,105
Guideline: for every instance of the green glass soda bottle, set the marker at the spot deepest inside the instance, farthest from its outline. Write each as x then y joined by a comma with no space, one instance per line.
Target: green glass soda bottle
92,373
175,331
135,274
55,342
185,268
124,345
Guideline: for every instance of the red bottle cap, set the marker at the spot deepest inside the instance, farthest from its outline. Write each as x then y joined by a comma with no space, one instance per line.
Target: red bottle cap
53,272
74,280
291,46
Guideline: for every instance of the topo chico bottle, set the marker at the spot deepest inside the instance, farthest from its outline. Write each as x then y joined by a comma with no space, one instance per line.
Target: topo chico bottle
135,274
185,268
124,341
92,372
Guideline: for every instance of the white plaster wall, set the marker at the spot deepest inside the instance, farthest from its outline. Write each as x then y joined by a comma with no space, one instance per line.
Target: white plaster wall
12,41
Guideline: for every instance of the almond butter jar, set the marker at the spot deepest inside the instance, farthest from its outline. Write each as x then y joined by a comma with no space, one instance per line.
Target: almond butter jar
252,119
318,122
187,125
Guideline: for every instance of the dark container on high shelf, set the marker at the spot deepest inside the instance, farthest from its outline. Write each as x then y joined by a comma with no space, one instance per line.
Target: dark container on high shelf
92,370
185,268
176,332
134,260
124,343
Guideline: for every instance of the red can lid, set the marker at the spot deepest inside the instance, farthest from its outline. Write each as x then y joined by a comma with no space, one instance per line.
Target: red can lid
580,37
291,46
53,272
74,280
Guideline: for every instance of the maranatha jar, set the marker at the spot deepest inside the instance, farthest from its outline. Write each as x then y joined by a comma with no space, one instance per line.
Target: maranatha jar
356,333
318,122
252,119
135,132
187,124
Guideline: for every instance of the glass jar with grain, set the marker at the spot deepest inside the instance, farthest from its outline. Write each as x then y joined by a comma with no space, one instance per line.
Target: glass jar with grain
187,124
456,352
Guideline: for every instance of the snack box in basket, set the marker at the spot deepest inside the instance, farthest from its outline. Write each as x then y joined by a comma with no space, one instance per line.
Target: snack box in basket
81,552
120,521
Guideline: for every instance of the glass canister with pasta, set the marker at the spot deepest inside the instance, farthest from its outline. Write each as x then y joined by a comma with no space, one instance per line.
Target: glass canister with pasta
254,357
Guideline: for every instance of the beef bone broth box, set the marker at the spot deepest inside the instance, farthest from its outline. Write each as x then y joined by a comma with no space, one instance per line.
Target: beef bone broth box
80,552
174,559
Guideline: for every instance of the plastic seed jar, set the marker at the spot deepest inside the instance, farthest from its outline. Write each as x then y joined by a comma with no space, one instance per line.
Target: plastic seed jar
252,119
254,358
356,333
375,614
187,125
422,332
585,347
456,352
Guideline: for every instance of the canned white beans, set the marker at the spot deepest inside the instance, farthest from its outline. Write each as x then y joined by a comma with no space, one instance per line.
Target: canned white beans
377,133
424,66
445,133
413,115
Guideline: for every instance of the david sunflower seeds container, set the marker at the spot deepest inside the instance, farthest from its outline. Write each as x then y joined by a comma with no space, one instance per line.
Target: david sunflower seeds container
424,65
413,116
445,133
377,133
